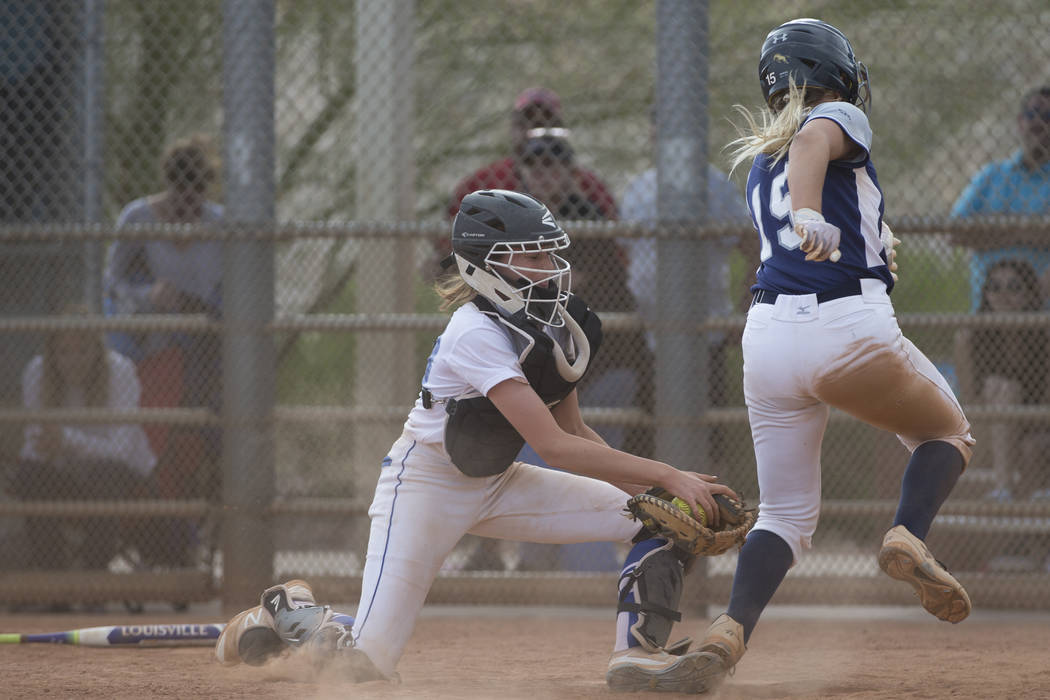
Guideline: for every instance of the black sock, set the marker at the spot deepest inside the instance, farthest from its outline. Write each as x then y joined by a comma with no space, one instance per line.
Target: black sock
931,475
763,562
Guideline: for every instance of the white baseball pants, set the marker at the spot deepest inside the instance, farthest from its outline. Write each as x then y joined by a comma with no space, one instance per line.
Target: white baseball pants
801,357
423,505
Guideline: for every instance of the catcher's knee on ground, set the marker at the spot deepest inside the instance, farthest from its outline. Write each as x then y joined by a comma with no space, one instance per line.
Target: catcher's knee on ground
652,591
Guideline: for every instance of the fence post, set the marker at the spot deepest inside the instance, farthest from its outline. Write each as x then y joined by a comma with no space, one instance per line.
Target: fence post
92,127
385,191
682,281
248,300
681,134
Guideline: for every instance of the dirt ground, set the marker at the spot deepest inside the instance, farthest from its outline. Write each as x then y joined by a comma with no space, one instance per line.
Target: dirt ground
563,654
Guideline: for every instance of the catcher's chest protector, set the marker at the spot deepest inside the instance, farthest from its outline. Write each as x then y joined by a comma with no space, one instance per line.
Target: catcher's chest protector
480,441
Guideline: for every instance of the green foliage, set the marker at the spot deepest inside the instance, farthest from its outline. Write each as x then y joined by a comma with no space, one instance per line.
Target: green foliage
319,367
946,79
933,278
164,80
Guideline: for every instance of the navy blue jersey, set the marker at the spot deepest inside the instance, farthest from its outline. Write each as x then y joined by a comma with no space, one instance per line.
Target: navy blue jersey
851,200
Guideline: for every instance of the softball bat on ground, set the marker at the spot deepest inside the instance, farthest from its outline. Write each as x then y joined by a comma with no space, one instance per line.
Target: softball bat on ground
125,636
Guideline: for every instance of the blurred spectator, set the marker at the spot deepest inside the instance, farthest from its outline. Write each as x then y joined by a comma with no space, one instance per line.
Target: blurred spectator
725,205
90,461
541,163
174,276
1010,369
1019,185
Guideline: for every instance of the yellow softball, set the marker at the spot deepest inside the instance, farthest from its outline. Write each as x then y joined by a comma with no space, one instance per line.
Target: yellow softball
685,508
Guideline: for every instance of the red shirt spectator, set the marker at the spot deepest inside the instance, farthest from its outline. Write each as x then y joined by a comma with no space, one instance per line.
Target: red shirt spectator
503,175
542,164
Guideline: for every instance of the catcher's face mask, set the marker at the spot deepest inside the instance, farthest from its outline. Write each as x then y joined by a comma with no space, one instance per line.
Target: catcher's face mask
525,275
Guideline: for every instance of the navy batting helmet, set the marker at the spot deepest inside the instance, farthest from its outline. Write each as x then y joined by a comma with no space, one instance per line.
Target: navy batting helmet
813,53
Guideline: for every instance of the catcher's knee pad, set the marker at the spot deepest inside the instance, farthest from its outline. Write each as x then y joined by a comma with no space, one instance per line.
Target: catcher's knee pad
656,586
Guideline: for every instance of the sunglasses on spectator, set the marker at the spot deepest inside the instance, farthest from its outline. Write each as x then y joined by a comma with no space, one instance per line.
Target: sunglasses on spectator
547,146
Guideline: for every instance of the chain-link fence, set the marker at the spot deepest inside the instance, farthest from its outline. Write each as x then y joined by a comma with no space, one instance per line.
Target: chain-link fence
225,216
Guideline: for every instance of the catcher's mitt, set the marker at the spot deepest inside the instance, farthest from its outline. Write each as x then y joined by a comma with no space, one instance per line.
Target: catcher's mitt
664,519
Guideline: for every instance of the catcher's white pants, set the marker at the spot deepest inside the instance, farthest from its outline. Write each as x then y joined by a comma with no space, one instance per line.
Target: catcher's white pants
801,357
423,505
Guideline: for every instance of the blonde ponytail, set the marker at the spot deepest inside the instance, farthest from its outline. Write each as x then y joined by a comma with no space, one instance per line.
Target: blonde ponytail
453,290
772,136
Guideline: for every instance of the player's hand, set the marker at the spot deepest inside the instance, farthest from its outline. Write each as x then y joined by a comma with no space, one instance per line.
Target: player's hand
890,242
698,490
820,240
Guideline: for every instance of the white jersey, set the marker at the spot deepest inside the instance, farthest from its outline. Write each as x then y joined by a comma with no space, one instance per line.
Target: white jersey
472,355
121,442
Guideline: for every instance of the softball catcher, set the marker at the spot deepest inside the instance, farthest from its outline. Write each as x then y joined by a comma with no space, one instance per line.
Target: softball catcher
503,372
821,332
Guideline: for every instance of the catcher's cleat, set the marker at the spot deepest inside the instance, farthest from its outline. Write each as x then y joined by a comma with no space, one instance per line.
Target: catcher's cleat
251,637
906,558
633,670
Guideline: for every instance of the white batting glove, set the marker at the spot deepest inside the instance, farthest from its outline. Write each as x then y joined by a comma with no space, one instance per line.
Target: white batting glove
820,240
889,241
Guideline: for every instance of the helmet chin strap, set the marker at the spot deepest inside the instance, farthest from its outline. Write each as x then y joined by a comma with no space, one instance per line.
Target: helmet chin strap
572,372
